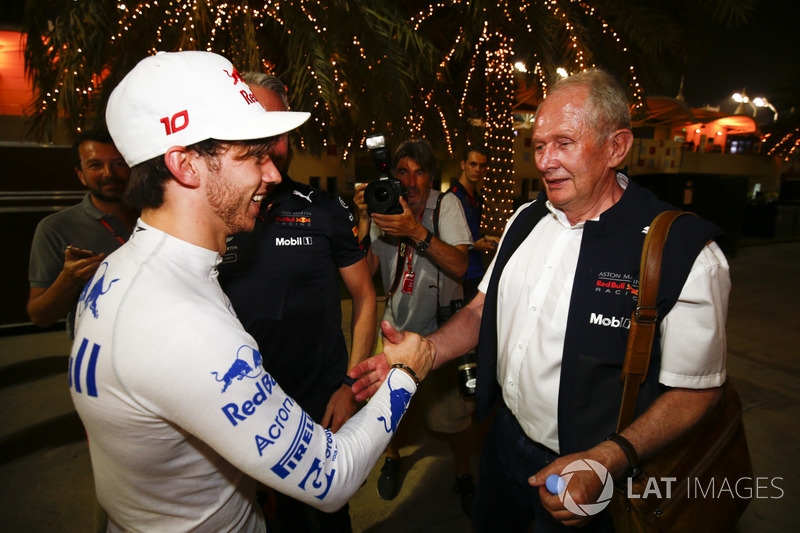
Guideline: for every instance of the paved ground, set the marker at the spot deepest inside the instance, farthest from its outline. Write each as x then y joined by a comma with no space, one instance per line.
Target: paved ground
45,474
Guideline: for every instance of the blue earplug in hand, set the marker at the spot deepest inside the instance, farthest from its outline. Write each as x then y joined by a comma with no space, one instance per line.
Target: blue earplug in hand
555,484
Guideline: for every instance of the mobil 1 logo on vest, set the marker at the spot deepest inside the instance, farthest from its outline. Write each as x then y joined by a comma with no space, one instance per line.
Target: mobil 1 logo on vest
598,319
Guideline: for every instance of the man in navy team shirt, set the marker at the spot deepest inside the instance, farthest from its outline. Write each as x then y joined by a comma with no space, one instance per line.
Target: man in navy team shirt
283,282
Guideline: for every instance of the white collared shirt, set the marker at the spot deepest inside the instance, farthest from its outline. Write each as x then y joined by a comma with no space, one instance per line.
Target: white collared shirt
532,308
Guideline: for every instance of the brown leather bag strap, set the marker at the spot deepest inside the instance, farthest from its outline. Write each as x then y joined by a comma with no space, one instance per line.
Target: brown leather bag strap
644,319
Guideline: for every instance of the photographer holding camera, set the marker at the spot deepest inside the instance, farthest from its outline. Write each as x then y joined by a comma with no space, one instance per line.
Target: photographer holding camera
421,273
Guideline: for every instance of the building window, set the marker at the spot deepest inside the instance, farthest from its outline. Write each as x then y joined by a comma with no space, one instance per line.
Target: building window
332,183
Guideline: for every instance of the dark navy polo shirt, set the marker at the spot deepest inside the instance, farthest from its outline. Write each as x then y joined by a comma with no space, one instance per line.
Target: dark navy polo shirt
283,282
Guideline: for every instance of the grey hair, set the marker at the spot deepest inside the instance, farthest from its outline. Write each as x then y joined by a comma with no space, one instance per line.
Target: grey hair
608,103
269,82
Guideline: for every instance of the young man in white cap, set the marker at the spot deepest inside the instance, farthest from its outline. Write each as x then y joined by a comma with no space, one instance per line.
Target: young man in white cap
181,417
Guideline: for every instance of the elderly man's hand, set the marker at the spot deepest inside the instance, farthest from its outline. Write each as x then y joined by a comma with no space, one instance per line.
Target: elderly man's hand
407,348
585,486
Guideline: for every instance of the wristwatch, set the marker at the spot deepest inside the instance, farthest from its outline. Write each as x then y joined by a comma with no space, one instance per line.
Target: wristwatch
423,245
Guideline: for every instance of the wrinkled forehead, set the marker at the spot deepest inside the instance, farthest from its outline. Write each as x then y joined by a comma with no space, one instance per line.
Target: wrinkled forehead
412,165
564,112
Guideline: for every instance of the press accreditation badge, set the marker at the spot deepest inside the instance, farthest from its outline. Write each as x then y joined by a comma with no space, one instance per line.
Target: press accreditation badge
408,282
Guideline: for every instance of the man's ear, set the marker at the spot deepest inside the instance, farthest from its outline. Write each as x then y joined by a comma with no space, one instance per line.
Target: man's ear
79,172
621,142
183,164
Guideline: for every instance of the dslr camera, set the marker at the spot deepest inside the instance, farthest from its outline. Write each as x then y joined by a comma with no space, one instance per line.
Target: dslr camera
383,195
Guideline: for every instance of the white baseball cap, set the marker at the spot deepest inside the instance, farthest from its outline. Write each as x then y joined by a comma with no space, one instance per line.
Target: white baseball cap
181,98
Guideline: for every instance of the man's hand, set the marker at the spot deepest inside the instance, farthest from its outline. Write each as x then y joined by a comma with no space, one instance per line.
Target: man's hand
671,415
46,306
80,265
407,348
358,199
341,406
585,487
404,224
487,243
370,373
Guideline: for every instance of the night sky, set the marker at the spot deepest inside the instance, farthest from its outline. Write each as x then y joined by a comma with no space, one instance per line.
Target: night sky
763,56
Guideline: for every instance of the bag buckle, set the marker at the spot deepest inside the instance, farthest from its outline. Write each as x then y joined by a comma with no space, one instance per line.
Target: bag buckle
646,315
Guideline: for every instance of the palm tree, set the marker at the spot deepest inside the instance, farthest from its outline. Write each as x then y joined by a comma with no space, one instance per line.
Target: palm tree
442,69
350,63
499,57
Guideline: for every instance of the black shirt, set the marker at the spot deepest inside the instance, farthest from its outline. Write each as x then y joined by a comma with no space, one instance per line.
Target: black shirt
283,282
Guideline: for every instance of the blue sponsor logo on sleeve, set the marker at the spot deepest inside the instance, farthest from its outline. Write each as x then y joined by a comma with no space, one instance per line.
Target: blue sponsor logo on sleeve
320,480
398,402
241,367
297,448
276,428
238,413
93,290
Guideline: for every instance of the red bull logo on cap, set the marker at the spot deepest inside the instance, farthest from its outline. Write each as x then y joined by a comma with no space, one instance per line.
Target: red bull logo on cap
236,76
248,96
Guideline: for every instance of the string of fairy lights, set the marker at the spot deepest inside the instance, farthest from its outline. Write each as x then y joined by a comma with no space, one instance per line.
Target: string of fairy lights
498,132
787,146
213,26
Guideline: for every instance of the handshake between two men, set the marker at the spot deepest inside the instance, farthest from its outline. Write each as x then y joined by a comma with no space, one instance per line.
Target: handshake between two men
408,351
457,336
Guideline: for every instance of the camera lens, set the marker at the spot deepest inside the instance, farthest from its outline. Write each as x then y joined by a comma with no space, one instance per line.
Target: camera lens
382,194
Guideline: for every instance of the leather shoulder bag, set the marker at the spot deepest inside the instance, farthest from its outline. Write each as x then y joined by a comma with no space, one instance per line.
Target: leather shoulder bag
704,480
